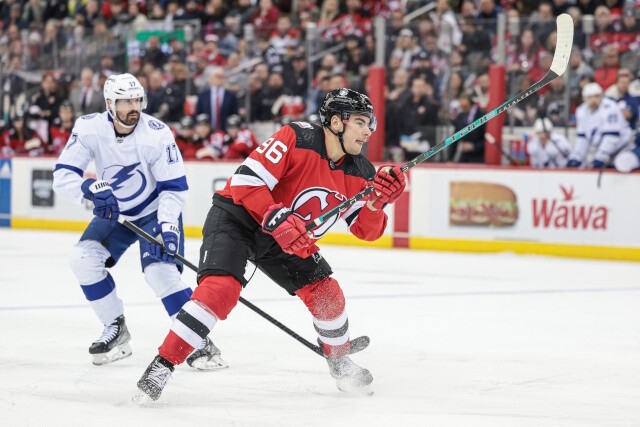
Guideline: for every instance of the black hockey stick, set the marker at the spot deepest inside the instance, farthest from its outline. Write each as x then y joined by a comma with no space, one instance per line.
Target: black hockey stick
564,43
357,344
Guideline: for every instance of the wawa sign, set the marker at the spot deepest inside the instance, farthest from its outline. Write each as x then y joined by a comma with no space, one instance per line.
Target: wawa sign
569,211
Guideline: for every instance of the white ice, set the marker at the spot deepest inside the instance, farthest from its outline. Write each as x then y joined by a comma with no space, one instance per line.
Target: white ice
456,340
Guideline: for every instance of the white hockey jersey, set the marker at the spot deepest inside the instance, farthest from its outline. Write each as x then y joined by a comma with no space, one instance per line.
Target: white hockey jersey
554,154
144,168
604,131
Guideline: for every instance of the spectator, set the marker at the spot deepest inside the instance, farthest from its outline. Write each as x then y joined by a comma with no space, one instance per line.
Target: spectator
153,54
267,97
417,113
603,34
86,98
481,90
185,138
296,76
407,48
579,70
19,138
33,13
329,12
606,75
241,140
155,94
60,130
47,99
284,39
175,94
475,44
217,102
629,104
487,16
396,98
471,147
90,13
446,26
526,54
545,23
554,102
547,149
350,23
265,17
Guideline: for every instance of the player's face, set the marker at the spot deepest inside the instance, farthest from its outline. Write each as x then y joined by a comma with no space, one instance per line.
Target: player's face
593,102
356,134
128,110
66,114
232,132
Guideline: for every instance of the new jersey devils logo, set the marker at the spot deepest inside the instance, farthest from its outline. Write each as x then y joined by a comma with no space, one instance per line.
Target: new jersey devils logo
313,202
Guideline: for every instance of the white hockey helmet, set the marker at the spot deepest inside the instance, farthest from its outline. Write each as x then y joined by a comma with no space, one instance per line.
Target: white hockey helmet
122,86
542,125
591,89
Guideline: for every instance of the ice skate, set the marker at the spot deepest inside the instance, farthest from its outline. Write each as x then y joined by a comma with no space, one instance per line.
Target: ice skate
350,377
207,358
153,380
113,344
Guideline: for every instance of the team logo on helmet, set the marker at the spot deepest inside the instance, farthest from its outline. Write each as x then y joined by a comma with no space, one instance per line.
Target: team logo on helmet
313,202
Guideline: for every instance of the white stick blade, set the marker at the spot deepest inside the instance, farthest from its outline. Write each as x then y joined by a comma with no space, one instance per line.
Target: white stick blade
564,43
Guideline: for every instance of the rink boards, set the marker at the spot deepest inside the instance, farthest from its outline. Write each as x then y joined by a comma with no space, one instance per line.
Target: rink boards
560,213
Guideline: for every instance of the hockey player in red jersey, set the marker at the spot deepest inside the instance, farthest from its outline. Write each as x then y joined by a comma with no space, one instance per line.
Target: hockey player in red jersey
300,172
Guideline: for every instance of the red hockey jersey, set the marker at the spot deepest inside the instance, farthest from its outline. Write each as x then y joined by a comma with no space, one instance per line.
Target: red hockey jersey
292,167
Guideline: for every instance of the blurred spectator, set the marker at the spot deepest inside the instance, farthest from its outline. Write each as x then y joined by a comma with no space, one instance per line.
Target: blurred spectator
33,13
419,113
47,99
629,104
14,16
155,94
350,23
579,70
212,52
86,98
446,25
554,102
396,98
606,75
266,98
579,38
265,17
487,16
356,58
539,69
526,54
547,149
329,12
603,34
481,90
217,102
175,94
241,140
56,9
407,48
244,11
545,23
284,38
90,13
60,130
471,147
153,53
18,138
185,138
296,76
475,44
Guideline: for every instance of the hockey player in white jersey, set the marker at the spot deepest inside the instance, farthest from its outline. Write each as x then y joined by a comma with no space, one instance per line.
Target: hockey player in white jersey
601,128
140,176
547,149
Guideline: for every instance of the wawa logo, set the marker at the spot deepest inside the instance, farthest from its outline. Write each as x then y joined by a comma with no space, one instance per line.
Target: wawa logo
568,213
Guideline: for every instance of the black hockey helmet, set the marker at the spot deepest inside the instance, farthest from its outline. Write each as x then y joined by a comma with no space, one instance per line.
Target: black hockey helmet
345,101
234,121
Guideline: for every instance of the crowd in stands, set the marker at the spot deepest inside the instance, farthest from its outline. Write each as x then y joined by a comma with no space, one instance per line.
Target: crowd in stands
246,62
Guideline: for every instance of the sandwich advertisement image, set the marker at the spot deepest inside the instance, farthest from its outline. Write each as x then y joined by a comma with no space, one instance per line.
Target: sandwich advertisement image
482,204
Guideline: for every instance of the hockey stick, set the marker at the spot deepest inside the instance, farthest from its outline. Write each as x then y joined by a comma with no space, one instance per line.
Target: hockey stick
357,344
564,43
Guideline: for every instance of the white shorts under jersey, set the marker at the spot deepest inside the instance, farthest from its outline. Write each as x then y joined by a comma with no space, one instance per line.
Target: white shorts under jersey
144,168
555,153
604,131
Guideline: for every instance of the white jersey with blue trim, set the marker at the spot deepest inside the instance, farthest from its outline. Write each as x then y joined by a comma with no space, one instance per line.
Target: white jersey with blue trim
554,154
144,168
604,131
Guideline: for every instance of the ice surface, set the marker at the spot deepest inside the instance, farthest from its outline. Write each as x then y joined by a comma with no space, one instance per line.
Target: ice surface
456,340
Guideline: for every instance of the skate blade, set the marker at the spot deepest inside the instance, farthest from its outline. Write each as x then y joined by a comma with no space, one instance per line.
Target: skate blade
213,364
141,398
120,352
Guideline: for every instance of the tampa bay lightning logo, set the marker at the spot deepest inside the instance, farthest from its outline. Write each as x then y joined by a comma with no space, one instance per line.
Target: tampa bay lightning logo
127,181
155,125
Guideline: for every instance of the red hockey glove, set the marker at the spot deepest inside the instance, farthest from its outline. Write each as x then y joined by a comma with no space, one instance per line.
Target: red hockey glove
389,184
287,229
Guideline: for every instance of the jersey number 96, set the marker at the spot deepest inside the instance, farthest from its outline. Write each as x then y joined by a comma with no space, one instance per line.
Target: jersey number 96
274,148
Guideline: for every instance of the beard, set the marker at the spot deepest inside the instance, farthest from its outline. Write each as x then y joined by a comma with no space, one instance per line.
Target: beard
131,119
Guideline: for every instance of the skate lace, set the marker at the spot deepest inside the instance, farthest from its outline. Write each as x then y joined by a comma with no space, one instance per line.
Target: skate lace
158,375
109,333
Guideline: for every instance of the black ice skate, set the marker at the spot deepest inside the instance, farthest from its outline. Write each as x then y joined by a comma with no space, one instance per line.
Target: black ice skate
350,377
153,380
113,344
207,358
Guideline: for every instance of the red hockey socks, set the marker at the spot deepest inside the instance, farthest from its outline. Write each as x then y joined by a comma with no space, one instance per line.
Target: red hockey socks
325,301
213,299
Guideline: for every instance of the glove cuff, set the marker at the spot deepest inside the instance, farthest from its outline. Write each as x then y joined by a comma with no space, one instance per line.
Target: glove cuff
274,217
170,227
85,187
